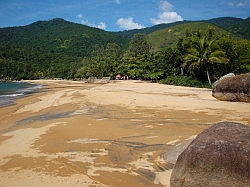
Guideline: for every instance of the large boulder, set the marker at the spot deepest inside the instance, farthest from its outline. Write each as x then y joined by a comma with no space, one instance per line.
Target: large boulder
233,88
219,156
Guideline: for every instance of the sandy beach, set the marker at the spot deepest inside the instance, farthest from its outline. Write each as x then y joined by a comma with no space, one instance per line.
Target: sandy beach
120,134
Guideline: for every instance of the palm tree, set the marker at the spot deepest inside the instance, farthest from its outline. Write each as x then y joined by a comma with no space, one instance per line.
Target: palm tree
203,53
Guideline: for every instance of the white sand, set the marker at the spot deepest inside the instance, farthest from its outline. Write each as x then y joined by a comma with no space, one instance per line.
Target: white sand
133,94
140,94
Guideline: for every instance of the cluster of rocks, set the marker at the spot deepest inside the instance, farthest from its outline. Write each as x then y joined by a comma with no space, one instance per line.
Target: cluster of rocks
232,88
219,156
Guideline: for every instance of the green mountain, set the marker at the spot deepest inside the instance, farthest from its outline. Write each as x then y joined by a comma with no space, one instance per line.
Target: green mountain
50,48
168,37
129,33
58,36
238,26
57,47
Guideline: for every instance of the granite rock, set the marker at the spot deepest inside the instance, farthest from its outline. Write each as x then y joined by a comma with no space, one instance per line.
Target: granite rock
219,156
233,88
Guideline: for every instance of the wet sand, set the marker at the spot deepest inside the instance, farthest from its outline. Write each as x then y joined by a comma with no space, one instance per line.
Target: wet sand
125,133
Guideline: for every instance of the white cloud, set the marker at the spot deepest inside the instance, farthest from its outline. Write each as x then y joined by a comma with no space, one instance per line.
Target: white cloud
165,6
101,25
128,24
84,21
80,16
238,3
166,17
166,14
117,1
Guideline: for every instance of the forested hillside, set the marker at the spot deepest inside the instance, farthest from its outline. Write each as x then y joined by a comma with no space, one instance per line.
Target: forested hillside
236,26
49,48
58,35
239,27
170,36
188,51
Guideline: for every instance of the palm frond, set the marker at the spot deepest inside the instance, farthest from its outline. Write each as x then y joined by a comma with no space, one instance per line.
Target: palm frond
218,60
191,58
194,66
193,51
218,53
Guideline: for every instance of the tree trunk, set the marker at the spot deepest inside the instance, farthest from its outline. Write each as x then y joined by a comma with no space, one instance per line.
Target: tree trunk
181,70
208,78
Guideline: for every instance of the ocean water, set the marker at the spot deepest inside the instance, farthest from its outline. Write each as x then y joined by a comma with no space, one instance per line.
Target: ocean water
10,91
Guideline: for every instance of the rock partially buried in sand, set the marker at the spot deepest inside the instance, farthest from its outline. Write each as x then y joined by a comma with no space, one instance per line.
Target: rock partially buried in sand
233,88
219,156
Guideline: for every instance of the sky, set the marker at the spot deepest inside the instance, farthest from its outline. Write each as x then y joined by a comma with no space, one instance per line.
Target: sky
118,15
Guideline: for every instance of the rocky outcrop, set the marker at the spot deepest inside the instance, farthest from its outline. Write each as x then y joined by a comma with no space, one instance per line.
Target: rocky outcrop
219,156
233,88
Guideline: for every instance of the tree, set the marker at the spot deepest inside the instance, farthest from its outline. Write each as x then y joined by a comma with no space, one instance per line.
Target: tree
139,45
238,53
203,53
113,50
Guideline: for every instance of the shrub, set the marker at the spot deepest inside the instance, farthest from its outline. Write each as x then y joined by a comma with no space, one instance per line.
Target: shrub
180,80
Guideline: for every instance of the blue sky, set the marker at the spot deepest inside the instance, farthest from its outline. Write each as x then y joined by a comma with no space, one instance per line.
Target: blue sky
116,15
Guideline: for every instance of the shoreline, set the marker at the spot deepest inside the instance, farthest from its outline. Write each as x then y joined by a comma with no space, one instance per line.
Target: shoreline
8,97
72,133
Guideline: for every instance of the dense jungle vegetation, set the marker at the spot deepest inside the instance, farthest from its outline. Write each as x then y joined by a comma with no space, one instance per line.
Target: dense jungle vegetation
183,53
